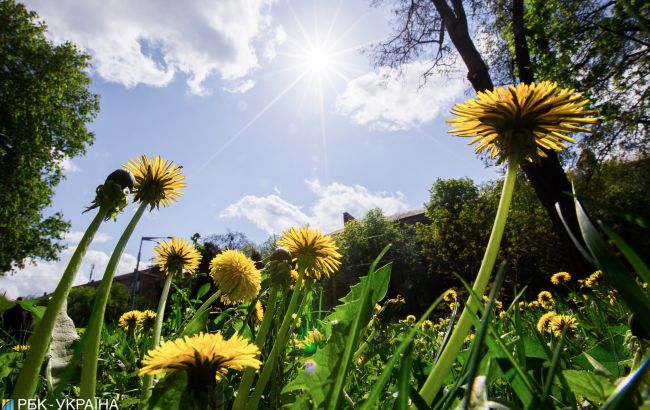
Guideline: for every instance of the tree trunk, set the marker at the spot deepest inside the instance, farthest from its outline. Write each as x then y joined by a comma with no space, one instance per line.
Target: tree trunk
547,177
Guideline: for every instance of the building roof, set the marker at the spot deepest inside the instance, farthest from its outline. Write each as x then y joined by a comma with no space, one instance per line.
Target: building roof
409,217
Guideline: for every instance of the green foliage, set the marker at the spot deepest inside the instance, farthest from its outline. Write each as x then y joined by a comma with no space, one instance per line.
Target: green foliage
461,214
599,48
81,300
46,105
324,384
620,189
362,240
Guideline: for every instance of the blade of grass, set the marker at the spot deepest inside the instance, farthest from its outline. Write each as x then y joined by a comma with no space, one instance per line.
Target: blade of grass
555,363
450,328
200,317
635,261
353,340
614,270
577,242
621,397
482,332
565,385
418,401
403,378
376,390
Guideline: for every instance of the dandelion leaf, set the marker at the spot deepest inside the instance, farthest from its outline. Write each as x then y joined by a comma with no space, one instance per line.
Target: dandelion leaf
320,371
64,339
591,386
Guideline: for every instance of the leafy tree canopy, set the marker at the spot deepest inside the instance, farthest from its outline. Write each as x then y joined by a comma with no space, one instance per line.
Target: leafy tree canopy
363,239
45,105
600,48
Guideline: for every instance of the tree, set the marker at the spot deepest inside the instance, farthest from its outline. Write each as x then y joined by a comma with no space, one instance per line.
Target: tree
461,214
81,300
45,105
431,29
361,242
600,48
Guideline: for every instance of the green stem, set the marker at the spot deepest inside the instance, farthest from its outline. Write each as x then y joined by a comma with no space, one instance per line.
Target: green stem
279,343
94,329
448,357
260,339
40,339
147,381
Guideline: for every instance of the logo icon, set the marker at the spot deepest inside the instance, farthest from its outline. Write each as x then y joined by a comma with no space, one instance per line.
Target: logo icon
7,404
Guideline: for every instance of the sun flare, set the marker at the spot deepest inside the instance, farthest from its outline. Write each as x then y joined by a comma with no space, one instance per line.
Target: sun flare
319,60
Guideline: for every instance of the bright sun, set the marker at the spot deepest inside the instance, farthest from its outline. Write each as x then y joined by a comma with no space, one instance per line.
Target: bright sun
319,60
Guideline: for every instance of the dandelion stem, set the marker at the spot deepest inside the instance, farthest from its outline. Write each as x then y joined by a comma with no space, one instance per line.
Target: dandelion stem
260,339
279,343
443,365
40,339
88,382
147,381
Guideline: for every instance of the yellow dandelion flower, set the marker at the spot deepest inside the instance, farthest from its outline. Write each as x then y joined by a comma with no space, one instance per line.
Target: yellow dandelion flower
206,357
259,312
129,320
502,314
452,306
534,305
175,256
522,306
21,348
469,338
410,319
561,322
297,322
594,278
157,181
522,120
543,322
147,320
235,274
426,325
314,253
545,299
450,295
560,277
377,308
314,336
498,305
645,285
611,297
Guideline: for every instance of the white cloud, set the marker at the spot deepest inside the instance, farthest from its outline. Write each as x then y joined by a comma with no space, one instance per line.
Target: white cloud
269,213
148,41
273,214
42,277
239,86
74,237
390,100
68,166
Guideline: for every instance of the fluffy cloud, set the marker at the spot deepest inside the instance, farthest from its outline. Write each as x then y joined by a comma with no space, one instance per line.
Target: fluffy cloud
273,214
269,213
148,41
392,100
68,166
42,277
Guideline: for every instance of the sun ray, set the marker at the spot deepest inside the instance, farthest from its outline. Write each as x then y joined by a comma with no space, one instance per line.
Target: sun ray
249,123
332,22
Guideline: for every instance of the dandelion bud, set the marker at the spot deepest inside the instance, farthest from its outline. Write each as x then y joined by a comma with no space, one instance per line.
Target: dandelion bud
112,195
121,177
279,268
281,254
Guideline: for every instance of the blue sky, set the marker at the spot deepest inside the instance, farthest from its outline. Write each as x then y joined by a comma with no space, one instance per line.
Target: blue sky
274,112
